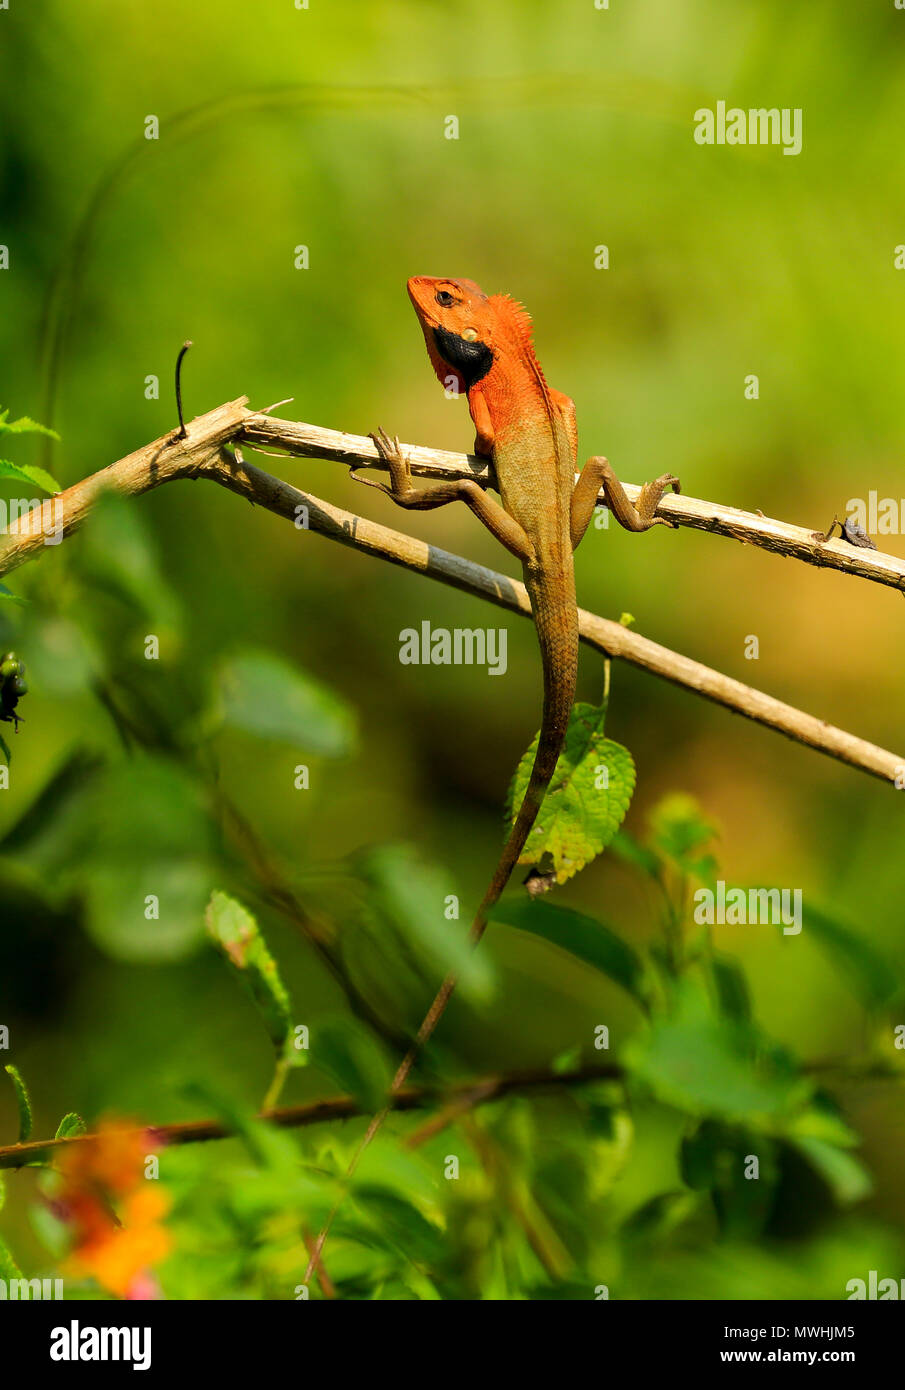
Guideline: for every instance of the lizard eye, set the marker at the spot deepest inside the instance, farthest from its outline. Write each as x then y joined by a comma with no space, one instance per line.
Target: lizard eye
470,335
445,298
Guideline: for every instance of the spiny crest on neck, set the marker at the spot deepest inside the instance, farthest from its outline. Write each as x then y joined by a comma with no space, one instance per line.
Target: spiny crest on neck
516,319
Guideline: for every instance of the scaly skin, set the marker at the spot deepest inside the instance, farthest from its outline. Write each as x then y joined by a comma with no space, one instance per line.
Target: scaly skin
482,345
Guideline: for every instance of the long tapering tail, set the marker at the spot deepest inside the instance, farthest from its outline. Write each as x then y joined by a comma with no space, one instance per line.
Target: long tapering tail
556,620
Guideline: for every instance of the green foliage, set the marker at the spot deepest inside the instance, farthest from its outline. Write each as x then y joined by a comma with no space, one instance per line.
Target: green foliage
70,1125
586,802
263,695
238,937
872,977
118,752
24,426
8,1267
402,921
23,1102
347,1052
119,559
26,473
588,939
707,1065
143,831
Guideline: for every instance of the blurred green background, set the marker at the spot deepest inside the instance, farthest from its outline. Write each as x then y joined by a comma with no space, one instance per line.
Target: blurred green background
324,127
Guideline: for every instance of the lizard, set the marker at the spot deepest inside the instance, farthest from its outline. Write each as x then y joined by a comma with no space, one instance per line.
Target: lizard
482,345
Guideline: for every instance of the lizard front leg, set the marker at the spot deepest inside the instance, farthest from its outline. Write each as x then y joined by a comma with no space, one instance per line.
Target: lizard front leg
598,473
497,520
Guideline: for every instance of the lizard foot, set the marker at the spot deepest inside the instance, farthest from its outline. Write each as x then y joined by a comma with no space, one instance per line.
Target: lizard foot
650,496
393,455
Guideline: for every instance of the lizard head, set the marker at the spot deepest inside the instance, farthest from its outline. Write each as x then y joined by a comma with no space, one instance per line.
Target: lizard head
457,320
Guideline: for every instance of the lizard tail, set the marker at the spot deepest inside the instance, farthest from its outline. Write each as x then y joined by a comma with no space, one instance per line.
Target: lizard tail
556,621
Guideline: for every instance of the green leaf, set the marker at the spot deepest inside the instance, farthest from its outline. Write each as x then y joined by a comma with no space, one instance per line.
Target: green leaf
8,1267
27,473
625,847
5,750
845,1176
578,817
119,554
24,426
238,937
680,834
822,1121
870,974
716,1158
731,988
8,593
117,897
582,936
140,833
404,920
23,1103
272,1148
708,1065
344,1049
70,1125
263,695
399,1222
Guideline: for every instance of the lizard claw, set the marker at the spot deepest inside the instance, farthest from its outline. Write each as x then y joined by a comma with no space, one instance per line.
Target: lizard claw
393,455
649,500
390,450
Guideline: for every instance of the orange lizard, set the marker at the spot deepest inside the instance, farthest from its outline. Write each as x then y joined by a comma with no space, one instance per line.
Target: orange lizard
481,345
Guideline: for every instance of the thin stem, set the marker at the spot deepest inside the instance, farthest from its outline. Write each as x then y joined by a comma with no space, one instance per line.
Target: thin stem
182,351
478,1090
749,528
275,1089
329,1109
201,454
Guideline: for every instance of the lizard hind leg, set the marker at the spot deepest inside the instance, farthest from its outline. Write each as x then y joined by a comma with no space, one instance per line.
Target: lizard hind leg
633,516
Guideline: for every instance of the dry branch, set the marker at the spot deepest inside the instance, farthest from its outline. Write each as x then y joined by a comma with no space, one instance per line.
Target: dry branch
452,1101
202,455
606,636
329,1109
148,468
311,441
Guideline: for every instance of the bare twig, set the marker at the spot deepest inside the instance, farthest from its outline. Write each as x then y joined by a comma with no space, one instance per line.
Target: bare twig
606,636
454,1099
133,475
751,528
167,458
202,455
330,1109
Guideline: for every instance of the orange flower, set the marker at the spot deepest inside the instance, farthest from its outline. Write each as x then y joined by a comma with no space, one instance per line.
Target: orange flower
114,1212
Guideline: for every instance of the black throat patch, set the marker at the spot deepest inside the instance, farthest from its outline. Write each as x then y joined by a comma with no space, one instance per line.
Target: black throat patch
471,360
